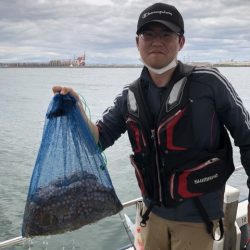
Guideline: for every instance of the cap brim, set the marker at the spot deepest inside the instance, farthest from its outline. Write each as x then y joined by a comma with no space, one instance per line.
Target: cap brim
169,25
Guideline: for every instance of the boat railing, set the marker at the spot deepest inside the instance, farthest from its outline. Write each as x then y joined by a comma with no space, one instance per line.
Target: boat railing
20,239
12,242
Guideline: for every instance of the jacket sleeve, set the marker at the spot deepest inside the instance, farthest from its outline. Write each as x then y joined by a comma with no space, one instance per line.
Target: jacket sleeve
113,124
235,117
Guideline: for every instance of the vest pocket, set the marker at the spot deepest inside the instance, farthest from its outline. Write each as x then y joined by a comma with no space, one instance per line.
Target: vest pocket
206,177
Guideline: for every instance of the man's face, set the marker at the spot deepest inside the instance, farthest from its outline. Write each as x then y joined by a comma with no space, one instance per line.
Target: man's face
158,45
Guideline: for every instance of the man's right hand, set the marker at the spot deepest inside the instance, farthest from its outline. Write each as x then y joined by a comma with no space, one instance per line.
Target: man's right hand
67,90
64,91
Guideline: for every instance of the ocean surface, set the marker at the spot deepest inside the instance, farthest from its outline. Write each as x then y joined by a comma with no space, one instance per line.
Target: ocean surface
24,98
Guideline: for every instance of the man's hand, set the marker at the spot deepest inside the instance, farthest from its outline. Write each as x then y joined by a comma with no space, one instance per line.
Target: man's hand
65,91
68,90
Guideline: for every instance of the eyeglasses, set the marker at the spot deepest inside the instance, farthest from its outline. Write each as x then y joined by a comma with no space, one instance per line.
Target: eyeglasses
149,35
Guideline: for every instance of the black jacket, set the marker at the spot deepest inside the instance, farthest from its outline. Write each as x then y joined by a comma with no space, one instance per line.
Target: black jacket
215,103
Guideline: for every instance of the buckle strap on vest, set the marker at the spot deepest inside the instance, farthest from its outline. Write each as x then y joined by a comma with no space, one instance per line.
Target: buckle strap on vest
145,216
208,222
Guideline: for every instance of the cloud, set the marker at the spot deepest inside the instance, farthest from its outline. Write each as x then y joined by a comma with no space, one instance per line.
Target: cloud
105,29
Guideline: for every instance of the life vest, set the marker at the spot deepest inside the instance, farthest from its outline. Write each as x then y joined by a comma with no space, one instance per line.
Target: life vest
168,167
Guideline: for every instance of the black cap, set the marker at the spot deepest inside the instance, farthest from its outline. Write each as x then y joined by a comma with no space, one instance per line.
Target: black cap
162,13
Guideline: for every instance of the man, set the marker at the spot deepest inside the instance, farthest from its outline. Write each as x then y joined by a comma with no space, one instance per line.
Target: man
175,116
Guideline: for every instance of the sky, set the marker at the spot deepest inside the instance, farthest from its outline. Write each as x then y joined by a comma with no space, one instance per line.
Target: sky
105,30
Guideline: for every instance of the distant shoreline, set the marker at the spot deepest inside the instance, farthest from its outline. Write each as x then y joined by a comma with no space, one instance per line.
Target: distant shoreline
230,65
68,67
8,66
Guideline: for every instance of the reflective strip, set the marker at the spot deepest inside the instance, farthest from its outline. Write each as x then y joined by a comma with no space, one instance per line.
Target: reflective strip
132,101
176,94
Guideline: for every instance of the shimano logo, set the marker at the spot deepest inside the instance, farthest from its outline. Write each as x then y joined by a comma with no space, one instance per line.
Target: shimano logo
156,12
206,179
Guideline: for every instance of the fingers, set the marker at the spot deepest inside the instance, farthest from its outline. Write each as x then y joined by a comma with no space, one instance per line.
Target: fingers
56,89
65,91
62,90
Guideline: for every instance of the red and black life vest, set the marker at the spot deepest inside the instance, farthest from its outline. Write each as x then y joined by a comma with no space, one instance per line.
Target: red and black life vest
167,165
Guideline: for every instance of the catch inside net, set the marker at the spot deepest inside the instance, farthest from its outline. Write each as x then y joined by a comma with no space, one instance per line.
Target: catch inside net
70,185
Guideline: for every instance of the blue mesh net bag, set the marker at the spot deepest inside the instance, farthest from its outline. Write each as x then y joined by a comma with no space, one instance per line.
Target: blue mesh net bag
70,185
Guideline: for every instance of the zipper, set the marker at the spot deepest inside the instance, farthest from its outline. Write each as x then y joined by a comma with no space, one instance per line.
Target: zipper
210,161
154,132
153,136
172,186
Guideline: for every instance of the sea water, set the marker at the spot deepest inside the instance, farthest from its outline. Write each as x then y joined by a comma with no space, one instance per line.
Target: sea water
24,97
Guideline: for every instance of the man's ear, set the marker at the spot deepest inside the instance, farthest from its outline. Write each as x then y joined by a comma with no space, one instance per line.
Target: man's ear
181,42
137,41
